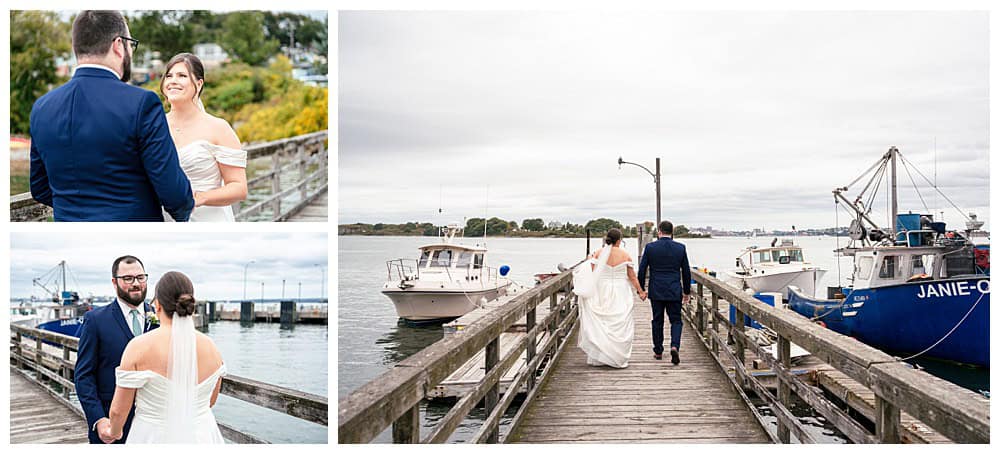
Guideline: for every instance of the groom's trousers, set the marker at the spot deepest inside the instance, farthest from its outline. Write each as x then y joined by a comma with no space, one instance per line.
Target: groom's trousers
673,310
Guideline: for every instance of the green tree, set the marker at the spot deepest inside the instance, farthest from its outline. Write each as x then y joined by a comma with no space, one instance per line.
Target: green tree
681,230
534,224
36,39
602,225
166,32
244,37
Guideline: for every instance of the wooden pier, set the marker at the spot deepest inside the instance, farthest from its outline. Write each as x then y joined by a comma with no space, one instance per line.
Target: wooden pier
42,408
291,187
649,401
710,397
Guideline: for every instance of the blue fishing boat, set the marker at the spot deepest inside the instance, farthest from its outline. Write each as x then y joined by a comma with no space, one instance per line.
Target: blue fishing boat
918,289
64,315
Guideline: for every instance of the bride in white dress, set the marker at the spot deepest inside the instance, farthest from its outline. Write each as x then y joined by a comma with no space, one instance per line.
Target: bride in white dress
606,324
172,374
209,151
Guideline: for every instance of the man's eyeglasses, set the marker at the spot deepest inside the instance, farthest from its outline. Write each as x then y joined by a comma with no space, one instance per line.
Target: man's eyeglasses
132,42
130,279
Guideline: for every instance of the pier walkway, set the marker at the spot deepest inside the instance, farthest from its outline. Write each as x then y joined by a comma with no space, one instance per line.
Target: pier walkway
649,401
315,211
730,387
36,416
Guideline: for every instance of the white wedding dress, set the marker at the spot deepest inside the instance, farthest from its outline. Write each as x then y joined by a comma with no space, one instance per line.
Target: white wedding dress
199,160
176,408
606,324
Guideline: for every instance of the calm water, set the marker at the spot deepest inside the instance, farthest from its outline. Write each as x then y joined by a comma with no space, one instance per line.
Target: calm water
294,358
371,338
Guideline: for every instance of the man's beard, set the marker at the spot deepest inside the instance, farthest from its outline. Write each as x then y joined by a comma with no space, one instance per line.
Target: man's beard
127,71
124,295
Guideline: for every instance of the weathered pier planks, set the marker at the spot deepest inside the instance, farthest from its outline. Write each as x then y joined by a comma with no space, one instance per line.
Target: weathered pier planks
650,401
37,417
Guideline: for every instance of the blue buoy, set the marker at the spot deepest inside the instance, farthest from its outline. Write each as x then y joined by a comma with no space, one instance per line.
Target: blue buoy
504,269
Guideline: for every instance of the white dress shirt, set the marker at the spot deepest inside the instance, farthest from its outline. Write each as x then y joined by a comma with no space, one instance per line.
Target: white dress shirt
126,309
93,65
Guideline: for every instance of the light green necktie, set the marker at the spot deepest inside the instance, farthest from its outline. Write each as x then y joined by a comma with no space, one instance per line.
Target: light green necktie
136,328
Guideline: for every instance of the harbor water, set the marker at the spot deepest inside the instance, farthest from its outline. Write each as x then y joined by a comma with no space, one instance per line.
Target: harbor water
371,339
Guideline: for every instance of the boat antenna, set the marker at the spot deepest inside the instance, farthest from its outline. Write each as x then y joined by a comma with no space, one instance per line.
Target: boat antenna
486,214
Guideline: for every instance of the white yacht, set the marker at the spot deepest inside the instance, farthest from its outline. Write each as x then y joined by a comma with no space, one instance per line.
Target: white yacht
446,282
773,269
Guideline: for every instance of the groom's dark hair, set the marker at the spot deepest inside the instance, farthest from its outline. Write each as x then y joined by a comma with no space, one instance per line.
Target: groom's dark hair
95,31
667,228
127,259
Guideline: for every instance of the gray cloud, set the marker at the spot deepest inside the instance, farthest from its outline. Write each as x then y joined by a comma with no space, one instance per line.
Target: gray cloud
755,116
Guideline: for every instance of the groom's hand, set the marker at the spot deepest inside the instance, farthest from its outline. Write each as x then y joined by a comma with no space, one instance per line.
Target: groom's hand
104,430
685,299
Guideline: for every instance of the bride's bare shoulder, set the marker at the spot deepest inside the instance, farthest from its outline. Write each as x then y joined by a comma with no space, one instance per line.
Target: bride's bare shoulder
222,132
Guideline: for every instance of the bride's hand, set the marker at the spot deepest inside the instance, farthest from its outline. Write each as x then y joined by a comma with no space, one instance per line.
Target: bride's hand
199,199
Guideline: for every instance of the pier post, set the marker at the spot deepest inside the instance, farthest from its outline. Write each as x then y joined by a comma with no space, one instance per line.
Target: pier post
886,421
211,312
493,394
701,309
20,353
288,314
715,322
38,358
65,371
784,391
529,324
740,325
276,184
406,429
247,314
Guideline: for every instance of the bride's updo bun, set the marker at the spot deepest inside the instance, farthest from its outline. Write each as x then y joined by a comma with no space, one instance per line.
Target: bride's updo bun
614,235
175,294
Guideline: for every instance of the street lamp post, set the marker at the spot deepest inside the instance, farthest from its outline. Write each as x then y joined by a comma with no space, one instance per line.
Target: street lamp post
656,180
245,279
322,288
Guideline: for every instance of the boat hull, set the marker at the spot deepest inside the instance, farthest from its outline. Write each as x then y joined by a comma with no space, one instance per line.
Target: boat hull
69,326
909,318
806,280
428,305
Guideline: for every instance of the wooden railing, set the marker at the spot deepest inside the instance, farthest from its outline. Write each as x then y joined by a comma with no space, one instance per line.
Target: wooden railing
394,397
51,370
955,412
297,175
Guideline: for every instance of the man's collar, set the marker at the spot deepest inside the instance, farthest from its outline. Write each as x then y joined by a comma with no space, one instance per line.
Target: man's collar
99,66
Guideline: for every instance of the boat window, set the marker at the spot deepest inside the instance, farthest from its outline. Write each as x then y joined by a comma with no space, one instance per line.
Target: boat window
921,264
478,261
763,257
442,259
425,255
464,259
888,268
796,255
865,267
776,256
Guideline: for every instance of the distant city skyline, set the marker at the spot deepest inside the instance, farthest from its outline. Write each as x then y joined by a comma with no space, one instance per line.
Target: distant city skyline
757,116
214,262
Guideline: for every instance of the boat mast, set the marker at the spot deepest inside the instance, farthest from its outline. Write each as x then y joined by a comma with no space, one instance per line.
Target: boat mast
895,208
62,266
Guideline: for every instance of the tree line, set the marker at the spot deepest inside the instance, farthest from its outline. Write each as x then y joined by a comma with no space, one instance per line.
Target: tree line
533,227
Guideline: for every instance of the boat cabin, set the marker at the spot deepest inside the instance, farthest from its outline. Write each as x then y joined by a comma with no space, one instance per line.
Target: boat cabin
447,255
884,266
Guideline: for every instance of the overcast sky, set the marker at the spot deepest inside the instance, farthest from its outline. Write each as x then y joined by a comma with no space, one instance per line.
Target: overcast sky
756,116
213,261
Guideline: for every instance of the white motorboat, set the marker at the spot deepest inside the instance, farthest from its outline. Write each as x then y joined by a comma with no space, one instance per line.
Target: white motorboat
447,281
773,269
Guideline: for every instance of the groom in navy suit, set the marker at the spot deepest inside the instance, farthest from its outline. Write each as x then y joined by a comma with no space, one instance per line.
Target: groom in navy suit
101,148
669,287
105,333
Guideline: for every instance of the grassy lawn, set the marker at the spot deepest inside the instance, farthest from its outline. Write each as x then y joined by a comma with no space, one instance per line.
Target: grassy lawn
19,176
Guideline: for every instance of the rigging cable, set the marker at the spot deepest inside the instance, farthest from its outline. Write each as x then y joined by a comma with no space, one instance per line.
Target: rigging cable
939,191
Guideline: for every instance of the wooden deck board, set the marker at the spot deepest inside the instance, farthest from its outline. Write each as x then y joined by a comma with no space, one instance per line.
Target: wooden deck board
649,401
316,211
36,417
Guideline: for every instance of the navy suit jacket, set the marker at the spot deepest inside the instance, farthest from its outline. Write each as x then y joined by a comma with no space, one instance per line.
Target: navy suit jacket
669,273
103,338
101,151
